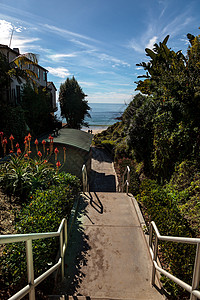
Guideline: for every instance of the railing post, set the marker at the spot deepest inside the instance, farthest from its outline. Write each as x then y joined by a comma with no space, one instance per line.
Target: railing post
30,270
61,255
150,235
196,273
155,252
84,179
128,178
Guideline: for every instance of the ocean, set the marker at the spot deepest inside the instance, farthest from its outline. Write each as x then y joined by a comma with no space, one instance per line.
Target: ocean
102,114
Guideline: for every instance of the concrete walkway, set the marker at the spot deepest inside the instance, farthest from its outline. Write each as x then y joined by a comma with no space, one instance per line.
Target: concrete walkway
107,257
102,177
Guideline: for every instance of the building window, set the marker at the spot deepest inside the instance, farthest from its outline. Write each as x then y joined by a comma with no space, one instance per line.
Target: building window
38,73
44,76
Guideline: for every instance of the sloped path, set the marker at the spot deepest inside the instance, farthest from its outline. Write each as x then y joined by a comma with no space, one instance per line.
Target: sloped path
107,256
102,177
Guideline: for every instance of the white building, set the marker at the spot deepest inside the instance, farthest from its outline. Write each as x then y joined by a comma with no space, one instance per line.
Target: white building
40,79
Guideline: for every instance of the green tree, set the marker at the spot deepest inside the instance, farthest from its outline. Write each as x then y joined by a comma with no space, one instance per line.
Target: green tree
172,80
37,107
73,105
16,69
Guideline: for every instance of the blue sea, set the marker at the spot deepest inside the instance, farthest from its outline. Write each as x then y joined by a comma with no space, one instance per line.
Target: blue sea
102,114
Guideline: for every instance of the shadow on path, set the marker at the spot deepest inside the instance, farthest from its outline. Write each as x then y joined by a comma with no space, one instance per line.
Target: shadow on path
76,254
102,155
100,182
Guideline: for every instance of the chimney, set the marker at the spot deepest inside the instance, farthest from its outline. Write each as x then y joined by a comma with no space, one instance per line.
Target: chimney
16,50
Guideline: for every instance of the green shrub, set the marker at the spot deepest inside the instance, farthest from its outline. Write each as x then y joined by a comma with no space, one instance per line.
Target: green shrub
161,205
134,176
19,175
43,214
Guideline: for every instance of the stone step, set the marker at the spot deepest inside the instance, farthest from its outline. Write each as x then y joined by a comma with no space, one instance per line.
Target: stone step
68,297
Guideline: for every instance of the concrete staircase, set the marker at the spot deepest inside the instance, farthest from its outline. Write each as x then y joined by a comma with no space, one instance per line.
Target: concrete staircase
108,257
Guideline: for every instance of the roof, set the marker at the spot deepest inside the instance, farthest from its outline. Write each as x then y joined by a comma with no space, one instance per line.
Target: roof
49,83
18,54
76,138
8,48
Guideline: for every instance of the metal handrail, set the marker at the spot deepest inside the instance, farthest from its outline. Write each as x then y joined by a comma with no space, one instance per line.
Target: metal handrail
192,289
125,182
85,179
28,238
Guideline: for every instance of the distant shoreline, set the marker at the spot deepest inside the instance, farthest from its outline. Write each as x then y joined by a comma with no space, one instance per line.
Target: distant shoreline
95,128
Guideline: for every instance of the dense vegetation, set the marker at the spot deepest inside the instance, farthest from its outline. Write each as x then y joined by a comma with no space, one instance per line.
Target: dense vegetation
73,105
33,111
159,136
46,195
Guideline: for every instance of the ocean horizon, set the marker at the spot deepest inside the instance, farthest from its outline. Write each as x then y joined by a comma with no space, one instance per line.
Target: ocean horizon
102,114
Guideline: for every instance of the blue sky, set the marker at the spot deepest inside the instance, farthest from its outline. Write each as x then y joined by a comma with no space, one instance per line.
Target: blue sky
97,41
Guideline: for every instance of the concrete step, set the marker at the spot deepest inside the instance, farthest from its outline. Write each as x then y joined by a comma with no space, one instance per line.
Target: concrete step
68,297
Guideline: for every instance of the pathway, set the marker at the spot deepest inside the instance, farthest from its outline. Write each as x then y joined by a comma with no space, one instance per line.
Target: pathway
102,177
107,255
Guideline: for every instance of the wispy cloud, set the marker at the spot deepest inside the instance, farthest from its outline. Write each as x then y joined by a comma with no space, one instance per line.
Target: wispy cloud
88,84
60,56
18,41
59,72
158,28
66,33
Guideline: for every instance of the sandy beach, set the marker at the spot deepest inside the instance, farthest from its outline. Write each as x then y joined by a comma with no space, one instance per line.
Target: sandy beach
95,129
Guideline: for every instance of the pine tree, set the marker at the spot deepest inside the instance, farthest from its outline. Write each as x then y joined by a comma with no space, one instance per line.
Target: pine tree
73,105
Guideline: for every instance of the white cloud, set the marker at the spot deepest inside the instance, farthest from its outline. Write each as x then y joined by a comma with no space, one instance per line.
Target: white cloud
66,33
17,41
151,42
61,56
59,72
87,84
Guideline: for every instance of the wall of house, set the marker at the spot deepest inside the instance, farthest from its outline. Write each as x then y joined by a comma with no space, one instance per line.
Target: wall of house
53,96
75,158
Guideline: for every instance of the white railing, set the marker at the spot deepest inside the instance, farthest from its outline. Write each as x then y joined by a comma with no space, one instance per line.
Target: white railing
28,238
194,293
125,183
85,179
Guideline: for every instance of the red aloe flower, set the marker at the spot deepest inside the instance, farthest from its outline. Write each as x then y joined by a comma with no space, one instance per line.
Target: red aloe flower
26,145
26,155
29,141
51,143
56,153
11,138
39,154
36,144
19,151
17,145
50,138
44,143
58,164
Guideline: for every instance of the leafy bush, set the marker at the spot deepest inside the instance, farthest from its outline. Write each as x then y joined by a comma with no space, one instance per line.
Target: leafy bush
161,205
19,175
44,213
134,176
